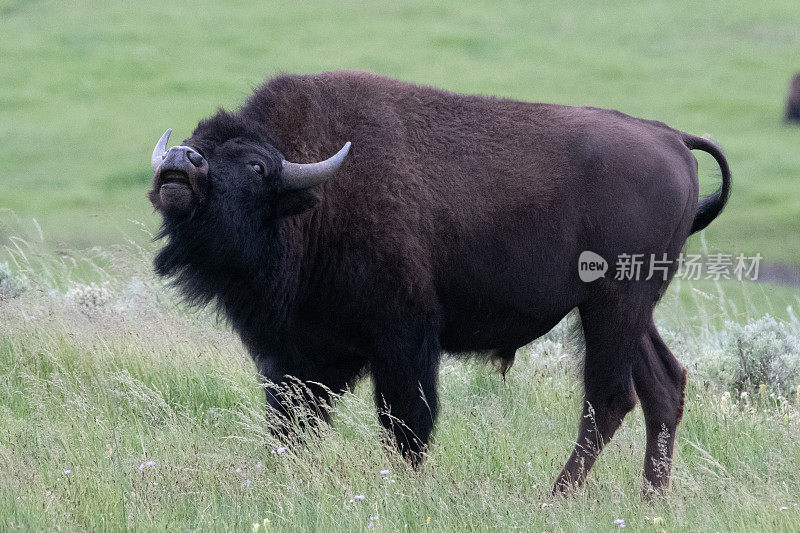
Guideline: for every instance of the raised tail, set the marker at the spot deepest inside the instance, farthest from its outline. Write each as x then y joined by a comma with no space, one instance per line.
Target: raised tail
710,206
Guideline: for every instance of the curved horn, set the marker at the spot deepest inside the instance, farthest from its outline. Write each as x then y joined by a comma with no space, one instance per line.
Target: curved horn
160,150
304,175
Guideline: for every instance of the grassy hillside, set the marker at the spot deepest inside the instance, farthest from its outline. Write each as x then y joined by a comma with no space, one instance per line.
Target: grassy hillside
87,88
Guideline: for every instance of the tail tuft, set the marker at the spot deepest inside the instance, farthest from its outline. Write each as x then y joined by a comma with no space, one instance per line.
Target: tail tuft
710,206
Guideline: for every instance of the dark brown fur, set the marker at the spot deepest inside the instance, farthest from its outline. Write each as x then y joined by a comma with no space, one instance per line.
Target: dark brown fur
455,224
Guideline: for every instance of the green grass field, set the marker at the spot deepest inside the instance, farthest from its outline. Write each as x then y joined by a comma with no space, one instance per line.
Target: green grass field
86,89
120,410
97,381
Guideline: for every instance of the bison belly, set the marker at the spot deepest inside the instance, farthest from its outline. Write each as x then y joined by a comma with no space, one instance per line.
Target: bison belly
485,327
511,293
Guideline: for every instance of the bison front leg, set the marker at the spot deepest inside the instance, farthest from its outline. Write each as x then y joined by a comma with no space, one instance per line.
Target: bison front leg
299,399
295,406
405,371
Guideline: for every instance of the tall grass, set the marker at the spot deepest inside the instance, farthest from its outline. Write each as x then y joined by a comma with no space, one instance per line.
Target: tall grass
121,409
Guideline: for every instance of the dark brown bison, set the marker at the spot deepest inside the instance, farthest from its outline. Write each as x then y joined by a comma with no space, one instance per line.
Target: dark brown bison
793,101
455,223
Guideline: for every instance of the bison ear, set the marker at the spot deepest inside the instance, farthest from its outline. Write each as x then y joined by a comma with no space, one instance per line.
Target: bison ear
295,202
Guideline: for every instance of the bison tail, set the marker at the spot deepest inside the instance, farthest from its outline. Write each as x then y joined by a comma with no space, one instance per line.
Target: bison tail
710,206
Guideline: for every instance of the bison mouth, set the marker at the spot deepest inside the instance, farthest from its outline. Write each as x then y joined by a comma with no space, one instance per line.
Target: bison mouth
172,179
175,192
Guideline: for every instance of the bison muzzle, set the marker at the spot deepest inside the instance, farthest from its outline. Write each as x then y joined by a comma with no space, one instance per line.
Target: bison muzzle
454,224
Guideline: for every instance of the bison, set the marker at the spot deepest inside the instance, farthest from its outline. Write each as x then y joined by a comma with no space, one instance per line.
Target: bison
792,114
451,223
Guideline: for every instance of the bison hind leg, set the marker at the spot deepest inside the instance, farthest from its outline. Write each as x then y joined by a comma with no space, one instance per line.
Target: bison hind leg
660,381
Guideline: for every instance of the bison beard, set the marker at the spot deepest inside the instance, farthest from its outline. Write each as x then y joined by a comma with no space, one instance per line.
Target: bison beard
455,224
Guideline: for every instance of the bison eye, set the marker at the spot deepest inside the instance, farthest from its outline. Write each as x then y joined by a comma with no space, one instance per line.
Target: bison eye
257,167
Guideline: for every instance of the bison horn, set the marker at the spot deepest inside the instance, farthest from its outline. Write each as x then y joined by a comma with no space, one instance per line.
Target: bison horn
160,150
302,176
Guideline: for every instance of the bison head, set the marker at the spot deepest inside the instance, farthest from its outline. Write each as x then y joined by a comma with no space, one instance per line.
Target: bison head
244,173
222,195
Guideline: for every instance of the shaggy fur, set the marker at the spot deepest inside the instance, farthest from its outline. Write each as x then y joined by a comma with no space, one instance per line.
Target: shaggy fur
454,224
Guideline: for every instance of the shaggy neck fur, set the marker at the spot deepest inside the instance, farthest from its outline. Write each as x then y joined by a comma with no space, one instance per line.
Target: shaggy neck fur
252,278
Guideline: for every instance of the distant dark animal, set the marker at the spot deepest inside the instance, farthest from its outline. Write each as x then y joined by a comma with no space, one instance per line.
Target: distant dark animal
793,101
455,223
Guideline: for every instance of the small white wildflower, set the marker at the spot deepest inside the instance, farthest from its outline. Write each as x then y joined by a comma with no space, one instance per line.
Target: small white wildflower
67,472
358,497
620,522
141,466
385,472
247,482
783,509
150,463
544,504
155,482
280,450
239,470
258,464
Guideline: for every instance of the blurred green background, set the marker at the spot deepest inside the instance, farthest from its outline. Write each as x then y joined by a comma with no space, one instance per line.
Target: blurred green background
86,88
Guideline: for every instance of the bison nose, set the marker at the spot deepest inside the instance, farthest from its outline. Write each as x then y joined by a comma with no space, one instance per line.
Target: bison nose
195,158
179,157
